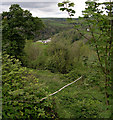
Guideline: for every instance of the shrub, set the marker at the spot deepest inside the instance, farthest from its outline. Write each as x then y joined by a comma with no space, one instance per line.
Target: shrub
35,55
22,92
59,60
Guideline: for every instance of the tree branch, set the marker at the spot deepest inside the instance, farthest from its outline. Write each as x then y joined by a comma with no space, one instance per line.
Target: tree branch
47,96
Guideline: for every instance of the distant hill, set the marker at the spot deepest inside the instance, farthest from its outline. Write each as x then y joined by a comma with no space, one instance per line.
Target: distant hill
52,27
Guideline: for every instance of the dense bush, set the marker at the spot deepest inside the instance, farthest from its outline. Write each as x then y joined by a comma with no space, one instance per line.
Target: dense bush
35,55
65,57
67,37
59,58
80,106
20,92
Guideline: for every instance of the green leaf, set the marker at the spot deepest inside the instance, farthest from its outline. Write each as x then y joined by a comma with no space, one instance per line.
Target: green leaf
60,4
71,4
62,9
72,11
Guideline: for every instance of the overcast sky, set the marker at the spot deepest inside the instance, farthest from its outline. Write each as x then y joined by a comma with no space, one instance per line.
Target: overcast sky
44,8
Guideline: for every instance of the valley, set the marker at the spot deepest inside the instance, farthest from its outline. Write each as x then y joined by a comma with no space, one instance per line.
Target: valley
57,68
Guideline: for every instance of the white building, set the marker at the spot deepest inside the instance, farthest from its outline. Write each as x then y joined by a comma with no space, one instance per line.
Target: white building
45,41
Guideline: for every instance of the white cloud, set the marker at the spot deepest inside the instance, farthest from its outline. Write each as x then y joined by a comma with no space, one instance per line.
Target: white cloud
46,8
31,0
40,9
4,8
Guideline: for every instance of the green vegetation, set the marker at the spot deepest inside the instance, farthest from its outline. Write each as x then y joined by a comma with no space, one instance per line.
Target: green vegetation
83,98
22,92
18,25
36,55
43,68
78,59
99,22
52,27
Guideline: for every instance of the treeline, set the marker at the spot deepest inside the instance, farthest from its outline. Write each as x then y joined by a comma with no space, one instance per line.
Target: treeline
66,49
52,27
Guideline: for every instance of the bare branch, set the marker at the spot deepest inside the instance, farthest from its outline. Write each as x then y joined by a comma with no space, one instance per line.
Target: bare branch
47,96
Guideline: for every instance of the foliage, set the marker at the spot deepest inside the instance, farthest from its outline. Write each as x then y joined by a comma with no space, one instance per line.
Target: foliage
100,26
68,53
59,60
0,85
83,99
18,25
83,107
101,38
22,92
36,55
61,55
67,37
52,27
64,54
66,6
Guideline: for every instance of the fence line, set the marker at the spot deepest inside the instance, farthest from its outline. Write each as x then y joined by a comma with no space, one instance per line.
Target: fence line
48,95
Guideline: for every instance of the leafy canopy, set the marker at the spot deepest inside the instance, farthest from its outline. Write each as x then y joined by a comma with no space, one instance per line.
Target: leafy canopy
18,25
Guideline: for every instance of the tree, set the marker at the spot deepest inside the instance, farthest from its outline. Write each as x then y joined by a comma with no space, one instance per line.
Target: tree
99,22
18,25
